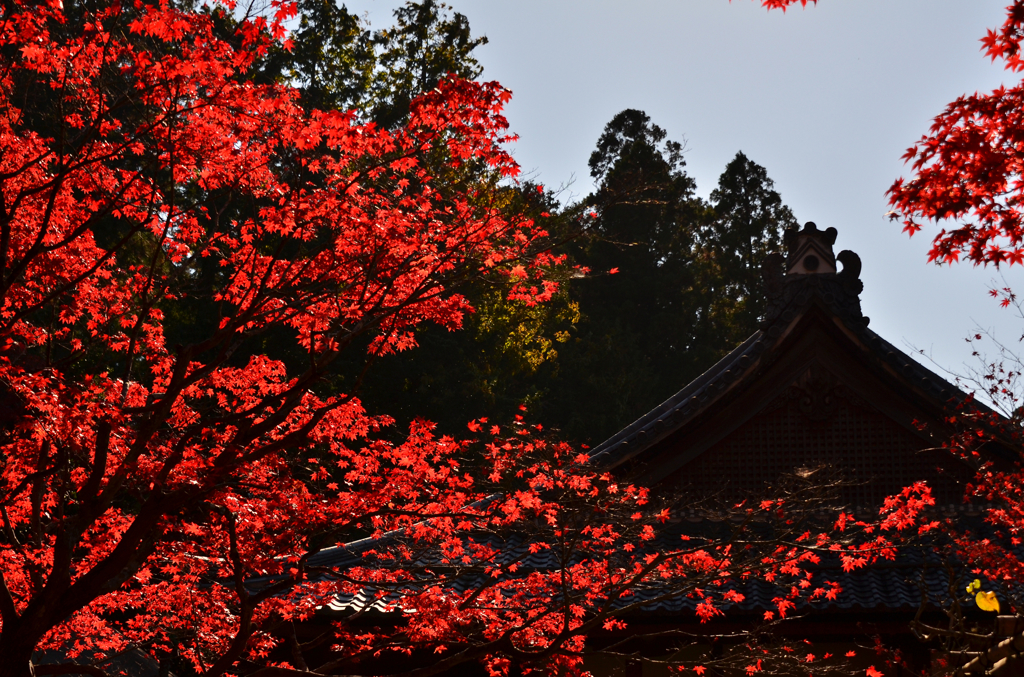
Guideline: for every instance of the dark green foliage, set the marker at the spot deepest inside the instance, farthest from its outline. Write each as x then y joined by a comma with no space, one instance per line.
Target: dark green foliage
503,357
332,58
638,337
645,202
425,45
687,288
749,218
628,130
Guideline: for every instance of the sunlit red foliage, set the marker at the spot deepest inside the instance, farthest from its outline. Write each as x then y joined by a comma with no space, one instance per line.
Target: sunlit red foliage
133,470
783,4
967,169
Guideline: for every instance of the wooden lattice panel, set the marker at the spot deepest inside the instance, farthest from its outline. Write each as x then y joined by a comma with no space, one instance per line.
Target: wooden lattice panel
868,448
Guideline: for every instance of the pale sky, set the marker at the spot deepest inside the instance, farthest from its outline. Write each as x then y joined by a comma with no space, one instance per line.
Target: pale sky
825,98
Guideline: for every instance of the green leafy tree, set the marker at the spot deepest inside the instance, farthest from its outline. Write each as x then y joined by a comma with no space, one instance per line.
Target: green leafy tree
332,59
507,352
426,44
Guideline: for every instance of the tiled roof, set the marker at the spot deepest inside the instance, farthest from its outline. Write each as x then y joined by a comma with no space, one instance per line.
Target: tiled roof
793,296
885,586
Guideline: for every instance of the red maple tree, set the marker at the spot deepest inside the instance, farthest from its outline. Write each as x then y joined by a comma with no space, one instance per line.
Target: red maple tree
186,258
140,171
967,168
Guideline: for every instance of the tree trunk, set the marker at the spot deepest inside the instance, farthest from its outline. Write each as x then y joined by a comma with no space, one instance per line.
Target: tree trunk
16,654
16,664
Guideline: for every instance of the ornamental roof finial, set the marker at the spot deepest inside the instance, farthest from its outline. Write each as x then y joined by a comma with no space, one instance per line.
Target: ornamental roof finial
810,250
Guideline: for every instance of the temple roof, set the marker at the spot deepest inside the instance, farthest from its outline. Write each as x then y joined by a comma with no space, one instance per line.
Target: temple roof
803,290
883,587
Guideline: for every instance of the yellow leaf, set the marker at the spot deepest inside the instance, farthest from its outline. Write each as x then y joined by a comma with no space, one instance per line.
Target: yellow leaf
987,601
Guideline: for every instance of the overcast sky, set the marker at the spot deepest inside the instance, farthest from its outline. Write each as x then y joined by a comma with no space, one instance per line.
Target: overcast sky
826,98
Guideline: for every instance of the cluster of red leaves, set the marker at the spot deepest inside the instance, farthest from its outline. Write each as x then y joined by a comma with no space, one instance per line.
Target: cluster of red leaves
1005,43
996,490
783,4
967,169
606,553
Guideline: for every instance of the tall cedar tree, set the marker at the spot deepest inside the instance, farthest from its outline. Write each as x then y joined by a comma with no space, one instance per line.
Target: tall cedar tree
675,282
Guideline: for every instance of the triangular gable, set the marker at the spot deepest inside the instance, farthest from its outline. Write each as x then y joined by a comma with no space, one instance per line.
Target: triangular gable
818,421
